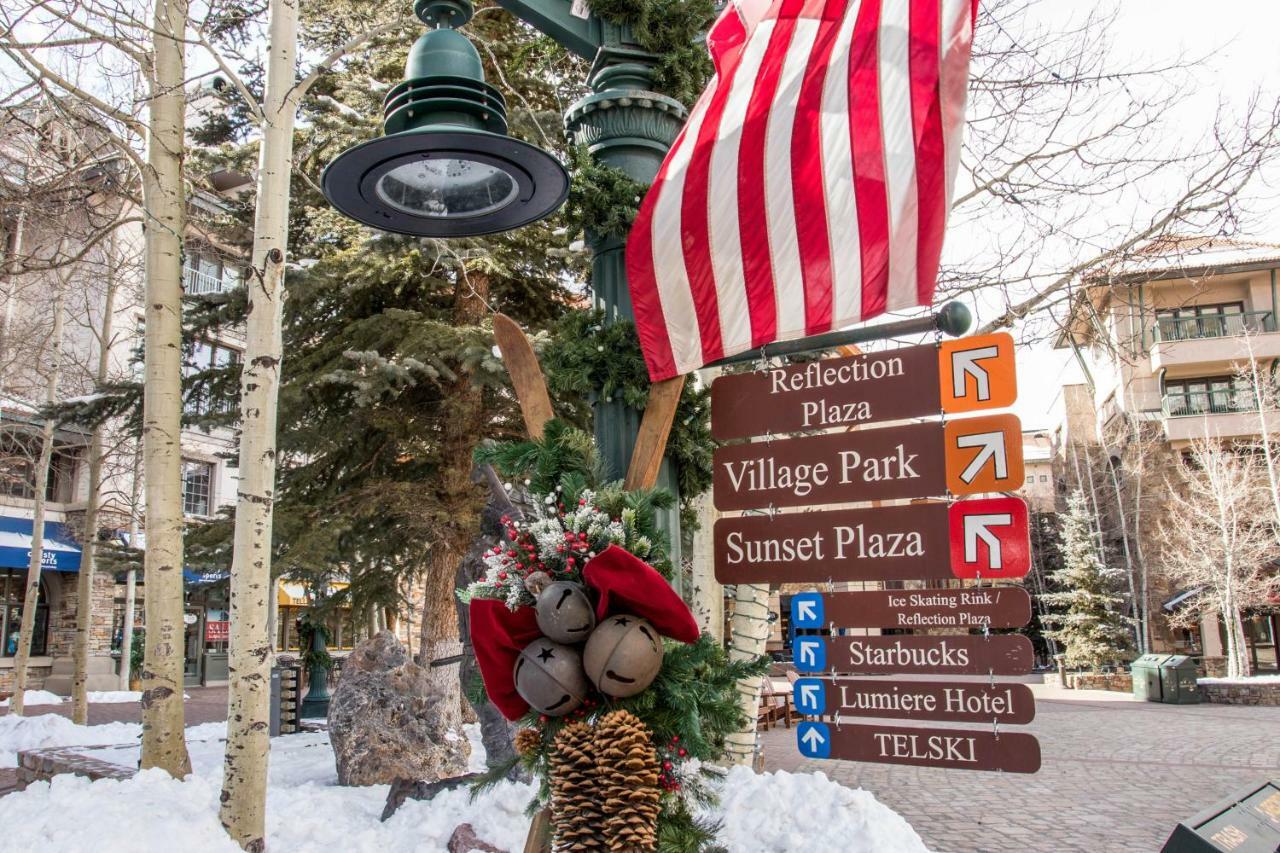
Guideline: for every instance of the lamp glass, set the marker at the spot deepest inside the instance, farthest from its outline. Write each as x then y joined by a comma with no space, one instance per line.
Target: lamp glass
447,187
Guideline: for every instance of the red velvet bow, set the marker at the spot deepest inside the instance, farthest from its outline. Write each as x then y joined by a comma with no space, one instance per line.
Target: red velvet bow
625,583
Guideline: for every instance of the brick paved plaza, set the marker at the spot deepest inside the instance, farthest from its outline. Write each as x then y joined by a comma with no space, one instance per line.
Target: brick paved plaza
1117,776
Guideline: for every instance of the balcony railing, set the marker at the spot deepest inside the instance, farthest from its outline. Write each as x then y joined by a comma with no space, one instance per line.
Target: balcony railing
1227,401
1211,326
195,282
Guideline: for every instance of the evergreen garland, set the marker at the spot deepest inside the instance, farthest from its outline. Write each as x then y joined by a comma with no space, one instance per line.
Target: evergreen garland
586,357
672,30
602,199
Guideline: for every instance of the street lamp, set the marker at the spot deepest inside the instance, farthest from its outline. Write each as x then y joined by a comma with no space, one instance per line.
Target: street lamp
445,166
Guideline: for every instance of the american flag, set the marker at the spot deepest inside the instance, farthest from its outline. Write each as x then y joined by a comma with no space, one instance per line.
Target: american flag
809,188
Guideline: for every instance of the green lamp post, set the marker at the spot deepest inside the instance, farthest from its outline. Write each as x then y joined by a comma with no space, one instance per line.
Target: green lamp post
445,166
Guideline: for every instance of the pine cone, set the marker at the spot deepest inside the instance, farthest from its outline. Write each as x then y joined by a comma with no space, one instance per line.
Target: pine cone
527,742
628,770
575,807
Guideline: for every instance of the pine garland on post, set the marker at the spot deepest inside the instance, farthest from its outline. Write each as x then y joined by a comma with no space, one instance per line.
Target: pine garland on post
1090,624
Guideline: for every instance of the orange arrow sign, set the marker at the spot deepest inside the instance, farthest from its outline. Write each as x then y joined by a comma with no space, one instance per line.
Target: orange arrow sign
984,454
977,373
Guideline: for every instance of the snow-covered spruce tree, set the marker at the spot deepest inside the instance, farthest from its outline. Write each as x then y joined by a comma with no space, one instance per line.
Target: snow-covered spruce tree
1087,620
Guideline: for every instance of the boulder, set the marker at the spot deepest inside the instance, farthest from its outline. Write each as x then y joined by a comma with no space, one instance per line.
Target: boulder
388,721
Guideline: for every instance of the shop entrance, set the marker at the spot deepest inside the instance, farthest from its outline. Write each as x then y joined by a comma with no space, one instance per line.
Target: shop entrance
193,657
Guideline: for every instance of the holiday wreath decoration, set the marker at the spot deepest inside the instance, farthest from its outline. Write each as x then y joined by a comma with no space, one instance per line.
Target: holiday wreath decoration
578,635
578,591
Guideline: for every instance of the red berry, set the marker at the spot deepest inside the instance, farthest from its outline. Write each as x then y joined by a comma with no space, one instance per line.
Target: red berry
502,576
666,765
682,752
675,738
571,561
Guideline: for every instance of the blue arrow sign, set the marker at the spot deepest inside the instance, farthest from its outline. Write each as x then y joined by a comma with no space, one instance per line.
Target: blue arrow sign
806,610
810,696
813,739
811,654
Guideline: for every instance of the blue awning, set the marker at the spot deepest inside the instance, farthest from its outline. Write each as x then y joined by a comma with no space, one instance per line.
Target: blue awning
60,553
193,576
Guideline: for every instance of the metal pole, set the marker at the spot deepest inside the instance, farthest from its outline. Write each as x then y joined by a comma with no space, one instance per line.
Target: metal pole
953,319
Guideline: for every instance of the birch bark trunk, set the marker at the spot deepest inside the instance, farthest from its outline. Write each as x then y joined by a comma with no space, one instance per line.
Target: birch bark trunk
84,584
749,633
131,577
163,743
32,597
244,786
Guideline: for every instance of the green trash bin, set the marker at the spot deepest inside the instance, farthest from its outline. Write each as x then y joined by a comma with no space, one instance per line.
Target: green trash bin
1178,681
1146,678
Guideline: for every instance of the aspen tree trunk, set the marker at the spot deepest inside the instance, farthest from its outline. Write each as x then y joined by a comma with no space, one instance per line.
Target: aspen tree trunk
1268,456
131,576
84,584
32,597
163,743
244,785
749,633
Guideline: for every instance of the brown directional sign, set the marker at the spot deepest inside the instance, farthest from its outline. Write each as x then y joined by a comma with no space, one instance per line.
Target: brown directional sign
888,654
965,456
837,392
983,537
894,543
944,701
918,609
963,375
1011,752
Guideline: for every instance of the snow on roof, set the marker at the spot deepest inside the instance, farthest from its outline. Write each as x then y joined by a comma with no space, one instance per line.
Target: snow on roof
1172,254
10,403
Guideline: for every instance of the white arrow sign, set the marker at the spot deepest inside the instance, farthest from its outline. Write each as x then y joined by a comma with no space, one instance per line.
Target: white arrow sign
992,444
976,527
808,653
806,609
965,362
813,739
809,695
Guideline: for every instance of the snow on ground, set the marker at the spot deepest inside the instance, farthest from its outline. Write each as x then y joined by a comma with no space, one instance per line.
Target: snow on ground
1252,679
308,812
112,697
18,733
36,697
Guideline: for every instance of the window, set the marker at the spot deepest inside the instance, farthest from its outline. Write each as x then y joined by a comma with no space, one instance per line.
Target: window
19,456
209,274
1044,478
207,355
197,484
1201,321
1212,395
13,590
1030,479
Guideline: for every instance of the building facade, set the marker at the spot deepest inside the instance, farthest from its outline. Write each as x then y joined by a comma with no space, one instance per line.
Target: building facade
1165,342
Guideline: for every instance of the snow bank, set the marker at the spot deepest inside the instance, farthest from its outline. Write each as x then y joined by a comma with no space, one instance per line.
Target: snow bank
307,812
18,733
807,811
113,697
36,697
1253,679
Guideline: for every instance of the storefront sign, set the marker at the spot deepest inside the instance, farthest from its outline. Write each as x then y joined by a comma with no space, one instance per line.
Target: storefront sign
887,654
964,375
930,541
217,631
985,607
963,457
1011,752
947,701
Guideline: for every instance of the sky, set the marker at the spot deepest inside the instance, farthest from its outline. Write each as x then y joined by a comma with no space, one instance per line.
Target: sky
1240,40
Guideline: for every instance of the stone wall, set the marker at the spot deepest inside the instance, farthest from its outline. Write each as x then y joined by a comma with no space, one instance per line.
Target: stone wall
1120,682
1241,694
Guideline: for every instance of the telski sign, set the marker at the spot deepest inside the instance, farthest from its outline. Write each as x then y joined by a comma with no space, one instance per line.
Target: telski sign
1011,752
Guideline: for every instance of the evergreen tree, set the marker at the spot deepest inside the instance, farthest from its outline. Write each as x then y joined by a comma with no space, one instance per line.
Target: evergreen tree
1088,623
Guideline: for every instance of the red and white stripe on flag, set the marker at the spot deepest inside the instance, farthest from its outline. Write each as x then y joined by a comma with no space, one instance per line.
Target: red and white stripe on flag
809,188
